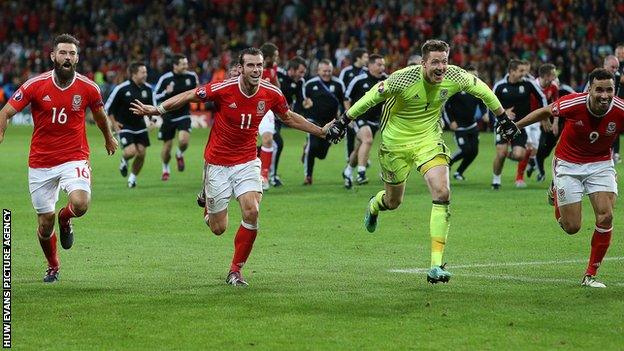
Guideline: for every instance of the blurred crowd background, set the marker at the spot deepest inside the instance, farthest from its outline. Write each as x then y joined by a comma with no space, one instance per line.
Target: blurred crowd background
574,35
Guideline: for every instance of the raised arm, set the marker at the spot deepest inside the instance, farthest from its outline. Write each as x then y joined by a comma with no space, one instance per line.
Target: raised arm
172,103
100,118
5,114
535,116
297,121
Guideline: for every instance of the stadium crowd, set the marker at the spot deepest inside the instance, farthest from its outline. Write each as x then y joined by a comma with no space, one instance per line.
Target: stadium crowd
483,33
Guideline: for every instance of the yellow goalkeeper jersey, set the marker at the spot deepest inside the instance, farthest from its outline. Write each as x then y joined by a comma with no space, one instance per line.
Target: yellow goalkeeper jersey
413,107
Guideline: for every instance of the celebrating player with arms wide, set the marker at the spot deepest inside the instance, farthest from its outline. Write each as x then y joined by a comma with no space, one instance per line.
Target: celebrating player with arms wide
59,152
232,166
583,163
411,137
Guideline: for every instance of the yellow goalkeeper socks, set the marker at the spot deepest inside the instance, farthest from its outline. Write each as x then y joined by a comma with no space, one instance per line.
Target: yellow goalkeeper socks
439,228
378,204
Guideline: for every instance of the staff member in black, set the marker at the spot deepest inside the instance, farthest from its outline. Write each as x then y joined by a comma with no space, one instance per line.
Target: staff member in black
367,124
131,129
323,95
462,113
359,62
514,92
291,82
170,84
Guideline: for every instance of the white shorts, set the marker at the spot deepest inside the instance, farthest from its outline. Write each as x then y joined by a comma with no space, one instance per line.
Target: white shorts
44,183
573,180
223,182
267,125
533,135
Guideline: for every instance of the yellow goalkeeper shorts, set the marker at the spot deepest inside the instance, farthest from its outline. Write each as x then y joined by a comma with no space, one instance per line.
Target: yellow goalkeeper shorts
396,164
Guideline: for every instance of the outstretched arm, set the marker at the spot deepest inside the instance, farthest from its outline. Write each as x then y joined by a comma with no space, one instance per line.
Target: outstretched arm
99,116
172,103
537,115
297,121
5,114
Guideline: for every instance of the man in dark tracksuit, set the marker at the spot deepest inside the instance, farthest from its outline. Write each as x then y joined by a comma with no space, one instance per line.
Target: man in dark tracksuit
367,124
291,82
131,129
519,95
359,63
323,95
461,113
170,84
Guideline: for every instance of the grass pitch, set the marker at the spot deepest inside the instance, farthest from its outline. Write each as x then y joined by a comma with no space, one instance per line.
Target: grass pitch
145,273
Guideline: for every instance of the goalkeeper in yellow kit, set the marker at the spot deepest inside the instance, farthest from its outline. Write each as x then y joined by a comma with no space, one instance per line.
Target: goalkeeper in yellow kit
412,137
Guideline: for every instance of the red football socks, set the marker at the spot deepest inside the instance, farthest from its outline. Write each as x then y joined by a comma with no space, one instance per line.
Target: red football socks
66,213
266,157
599,246
243,243
522,166
48,245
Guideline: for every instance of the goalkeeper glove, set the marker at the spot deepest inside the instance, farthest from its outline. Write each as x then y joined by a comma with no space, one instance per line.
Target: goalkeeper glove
506,128
337,131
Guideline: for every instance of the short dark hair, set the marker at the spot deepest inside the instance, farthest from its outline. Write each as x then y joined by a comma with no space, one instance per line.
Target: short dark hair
357,53
372,58
67,39
434,45
295,62
268,49
514,63
176,58
134,66
546,69
470,68
248,51
232,64
600,74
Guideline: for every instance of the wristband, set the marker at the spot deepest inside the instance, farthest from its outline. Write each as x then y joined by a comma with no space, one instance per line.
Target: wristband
161,109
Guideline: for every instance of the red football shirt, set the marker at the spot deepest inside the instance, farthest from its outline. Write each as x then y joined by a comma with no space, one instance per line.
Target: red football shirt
59,135
585,137
233,137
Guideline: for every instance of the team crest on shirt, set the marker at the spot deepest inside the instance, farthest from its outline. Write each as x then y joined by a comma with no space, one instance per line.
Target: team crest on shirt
18,95
201,93
76,102
260,108
188,81
144,94
443,94
521,89
611,128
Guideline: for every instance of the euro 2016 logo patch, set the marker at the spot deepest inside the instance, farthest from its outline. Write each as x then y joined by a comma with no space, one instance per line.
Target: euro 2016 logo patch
76,102
18,95
380,88
611,128
201,93
260,108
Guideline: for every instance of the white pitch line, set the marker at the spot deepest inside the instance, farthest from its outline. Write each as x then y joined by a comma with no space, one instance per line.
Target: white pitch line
526,279
504,264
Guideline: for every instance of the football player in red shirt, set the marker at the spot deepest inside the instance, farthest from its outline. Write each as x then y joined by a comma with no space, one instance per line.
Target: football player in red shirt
59,152
267,126
583,163
232,166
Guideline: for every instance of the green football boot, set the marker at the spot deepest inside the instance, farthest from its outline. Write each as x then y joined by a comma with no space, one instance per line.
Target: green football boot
370,220
438,274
